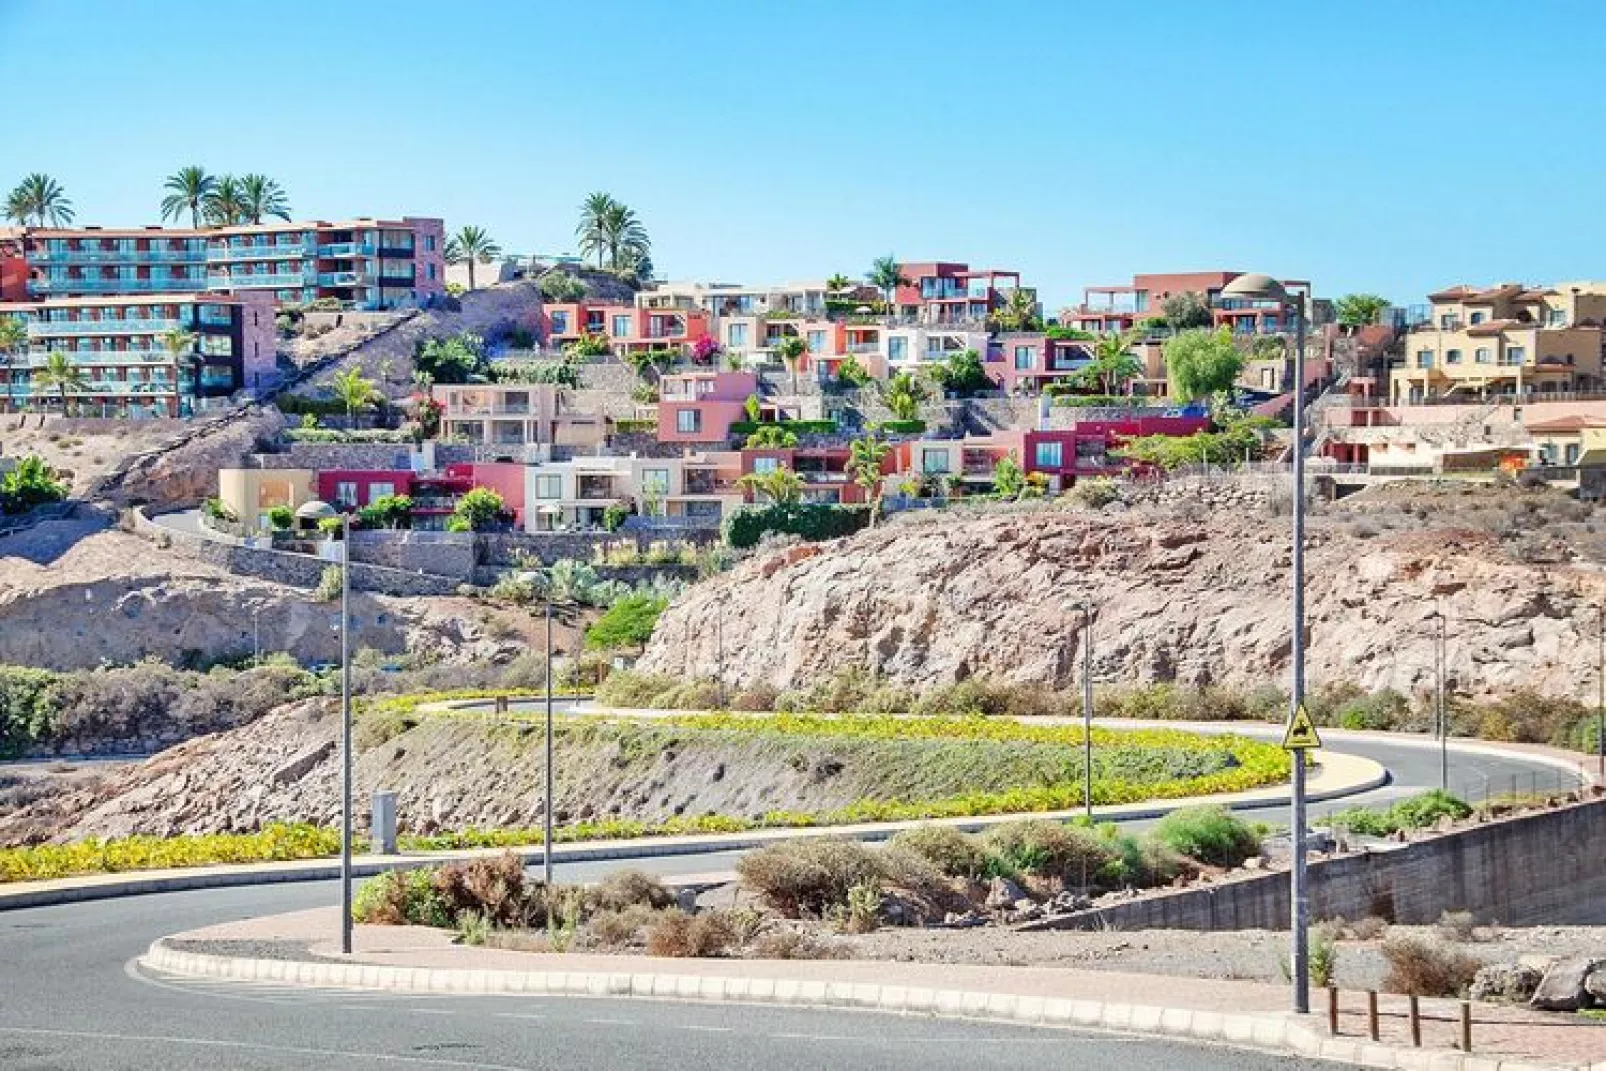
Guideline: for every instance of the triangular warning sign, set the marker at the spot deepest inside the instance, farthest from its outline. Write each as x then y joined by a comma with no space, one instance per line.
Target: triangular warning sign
1301,732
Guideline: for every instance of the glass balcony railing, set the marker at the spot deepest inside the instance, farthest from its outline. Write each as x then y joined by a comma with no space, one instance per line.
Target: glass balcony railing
41,328
116,286
220,253
339,278
257,280
347,249
118,256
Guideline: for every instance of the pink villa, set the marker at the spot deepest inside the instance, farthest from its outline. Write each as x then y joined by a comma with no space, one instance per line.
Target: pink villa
942,291
1024,363
1087,449
626,327
700,407
1120,307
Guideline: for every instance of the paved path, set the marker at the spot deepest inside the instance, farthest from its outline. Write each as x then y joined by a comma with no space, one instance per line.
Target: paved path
85,1007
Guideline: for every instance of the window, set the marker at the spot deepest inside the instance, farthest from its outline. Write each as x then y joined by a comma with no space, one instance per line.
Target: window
1482,356
346,493
1024,357
429,247
429,272
549,487
380,489
560,323
934,462
1556,318
897,349
621,325
1452,356
1478,317
736,335
763,466
1424,358
816,341
1572,453
688,421
656,481
1449,322
1515,355
1049,455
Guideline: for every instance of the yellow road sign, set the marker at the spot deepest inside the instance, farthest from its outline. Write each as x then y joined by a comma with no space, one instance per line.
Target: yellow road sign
1301,732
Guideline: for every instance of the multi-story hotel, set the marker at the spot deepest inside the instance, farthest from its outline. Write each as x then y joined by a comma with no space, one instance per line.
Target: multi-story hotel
1504,340
1120,307
948,292
121,347
370,263
626,327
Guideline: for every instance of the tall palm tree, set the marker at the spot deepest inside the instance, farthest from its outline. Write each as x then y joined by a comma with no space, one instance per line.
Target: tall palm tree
261,196
180,344
1019,312
865,457
355,392
628,243
191,187
471,244
39,200
1113,363
791,350
225,207
13,340
886,276
592,230
781,486
838,283
61,373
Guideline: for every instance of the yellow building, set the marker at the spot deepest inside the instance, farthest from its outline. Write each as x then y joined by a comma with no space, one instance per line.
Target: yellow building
1507,340
250,494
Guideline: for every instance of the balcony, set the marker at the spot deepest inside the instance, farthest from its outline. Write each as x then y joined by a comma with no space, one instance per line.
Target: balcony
41,328
864,347
347,249
467,410
340,278
116,286
596,489
258,280
222,253
117,256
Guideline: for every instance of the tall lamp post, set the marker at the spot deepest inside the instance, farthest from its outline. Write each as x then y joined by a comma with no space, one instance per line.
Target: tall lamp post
1086,611
319,511
1600,708
1257,287
551,512
1441,719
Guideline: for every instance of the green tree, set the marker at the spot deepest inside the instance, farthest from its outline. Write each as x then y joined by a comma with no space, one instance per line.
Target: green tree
886,276
962,374
1359,310
561,287
471,245
13,341
281,518
837,283
29,483
780,485
1019,313
1238,440
627,624
753,408
865,459
479,509
355,392
612,231
180,347
225,205
1200,363
903,394
39,201
60,372
455,359
261,197
790,350
188,189
850,373
1113,365
1186,309
1009,479
771,437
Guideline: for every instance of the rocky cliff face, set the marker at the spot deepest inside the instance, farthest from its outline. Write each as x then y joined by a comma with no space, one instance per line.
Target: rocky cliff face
1194,596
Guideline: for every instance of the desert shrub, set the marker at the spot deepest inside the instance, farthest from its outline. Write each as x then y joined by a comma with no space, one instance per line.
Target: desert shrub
1074,854
1094,492
755,697
626,688
1412,813
473,928
1368,929
787,943
492,888
1418,966
675,933
807,877
691,695
402,898
1456,926
1209,833
629,888
330,583
1524,716
1138,862
1323,960
615,928
953,852
862,912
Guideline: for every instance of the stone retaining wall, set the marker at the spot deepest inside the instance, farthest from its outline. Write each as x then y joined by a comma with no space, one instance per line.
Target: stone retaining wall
505,548
1536,869
445,554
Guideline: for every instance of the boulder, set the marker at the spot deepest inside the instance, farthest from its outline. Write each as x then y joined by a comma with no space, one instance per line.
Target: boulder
1509,983
1563,986
1002,894
1595,986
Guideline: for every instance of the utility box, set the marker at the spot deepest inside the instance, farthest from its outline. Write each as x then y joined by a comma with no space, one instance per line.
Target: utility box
383,825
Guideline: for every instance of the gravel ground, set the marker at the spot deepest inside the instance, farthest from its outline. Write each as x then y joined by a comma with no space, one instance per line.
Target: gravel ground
269,948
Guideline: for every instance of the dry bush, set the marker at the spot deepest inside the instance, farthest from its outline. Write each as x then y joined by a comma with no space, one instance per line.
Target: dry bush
755,697
1368,929
1457,926
493,888
807,877
788,943
617,927
1420,967
629,888
676,934
953,852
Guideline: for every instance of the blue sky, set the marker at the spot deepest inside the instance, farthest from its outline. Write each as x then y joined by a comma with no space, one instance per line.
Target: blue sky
1412,144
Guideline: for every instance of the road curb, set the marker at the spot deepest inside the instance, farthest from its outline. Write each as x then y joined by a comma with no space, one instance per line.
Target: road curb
1269,1033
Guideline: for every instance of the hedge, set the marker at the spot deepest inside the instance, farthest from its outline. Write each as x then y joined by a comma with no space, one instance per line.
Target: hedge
811,520
903,427
802,427
629,425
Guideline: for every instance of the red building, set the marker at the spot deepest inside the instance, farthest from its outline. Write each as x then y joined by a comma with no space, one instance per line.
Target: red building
1118,308
1088,448
949,292
435,495
626,327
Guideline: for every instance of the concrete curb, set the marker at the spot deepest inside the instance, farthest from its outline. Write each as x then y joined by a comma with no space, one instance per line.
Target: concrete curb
1269,1032
18,895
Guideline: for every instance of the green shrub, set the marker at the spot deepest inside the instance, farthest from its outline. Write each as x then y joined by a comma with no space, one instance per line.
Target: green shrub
1074,854
808,878
29,705
1209,833
402,898
628,623
1413,813
631,690
634,426
953,852
903,427
799,427
812,521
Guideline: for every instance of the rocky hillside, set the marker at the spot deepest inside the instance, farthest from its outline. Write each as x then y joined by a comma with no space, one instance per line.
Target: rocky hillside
1196,593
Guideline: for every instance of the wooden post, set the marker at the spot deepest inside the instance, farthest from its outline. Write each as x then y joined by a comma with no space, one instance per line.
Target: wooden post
1371,1014
1466,1026
1332,1010
1416,1023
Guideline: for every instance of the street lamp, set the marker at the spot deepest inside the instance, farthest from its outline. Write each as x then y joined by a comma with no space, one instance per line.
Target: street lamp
551,512
1087,700
1441,721
1257,287
320,511
1600,708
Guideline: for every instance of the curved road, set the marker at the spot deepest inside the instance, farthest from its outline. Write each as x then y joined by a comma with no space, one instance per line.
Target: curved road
74,1000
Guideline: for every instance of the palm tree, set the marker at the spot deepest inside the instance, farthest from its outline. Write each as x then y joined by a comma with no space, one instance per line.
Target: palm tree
838,283
592,231
469,245
13,340
790,350
60,372
191,187
781,485
1019,313
39,200
865,457
886,276
180,344
903,394
225,205
261,196
1113,363
354,392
